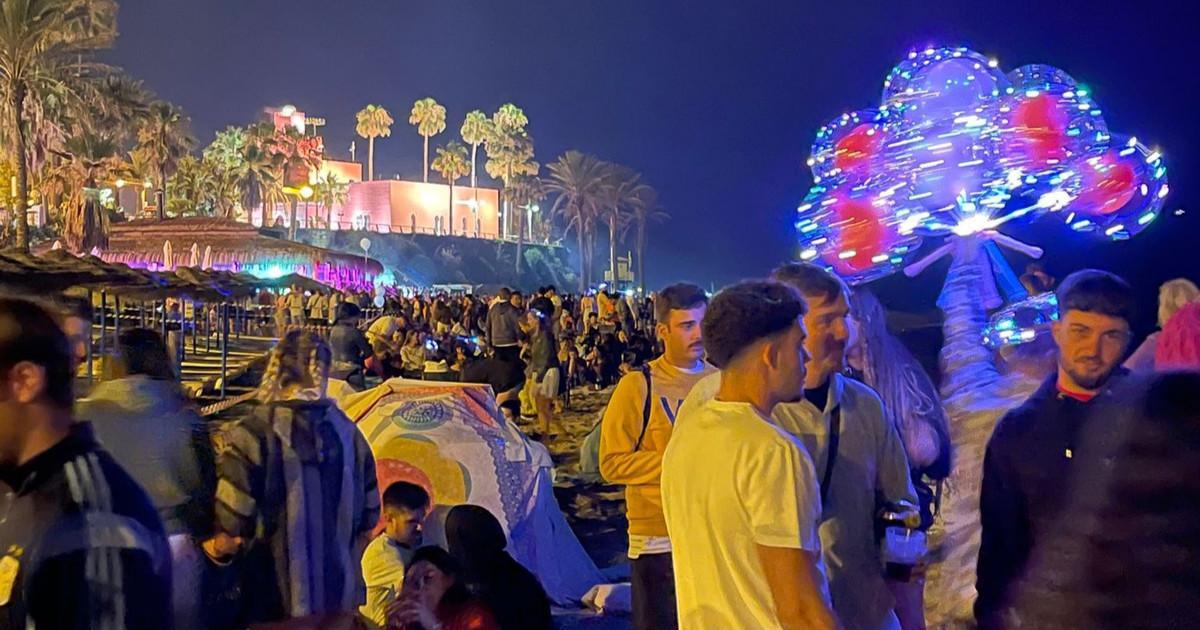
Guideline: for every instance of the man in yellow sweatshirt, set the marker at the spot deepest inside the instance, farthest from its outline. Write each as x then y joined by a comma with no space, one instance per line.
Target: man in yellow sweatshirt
633,435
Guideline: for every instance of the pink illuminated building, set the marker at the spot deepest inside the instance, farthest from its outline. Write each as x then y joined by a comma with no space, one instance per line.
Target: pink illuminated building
389,205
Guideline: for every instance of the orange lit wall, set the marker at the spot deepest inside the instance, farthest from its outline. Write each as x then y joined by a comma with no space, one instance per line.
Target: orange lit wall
344,171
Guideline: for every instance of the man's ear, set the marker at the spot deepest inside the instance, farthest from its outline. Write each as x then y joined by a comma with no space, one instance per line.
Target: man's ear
26,382
769,353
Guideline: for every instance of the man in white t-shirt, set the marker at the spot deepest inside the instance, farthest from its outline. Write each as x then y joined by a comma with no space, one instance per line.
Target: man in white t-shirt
387,557
740,494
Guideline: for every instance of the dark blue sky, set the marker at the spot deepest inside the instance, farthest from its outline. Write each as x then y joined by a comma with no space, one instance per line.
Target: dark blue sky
715,103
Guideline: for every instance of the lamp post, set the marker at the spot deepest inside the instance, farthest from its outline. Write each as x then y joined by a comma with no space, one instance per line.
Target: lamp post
145,188
306,193
530,208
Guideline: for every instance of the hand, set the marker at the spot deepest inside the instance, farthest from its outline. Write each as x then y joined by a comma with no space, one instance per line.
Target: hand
410,610
221,547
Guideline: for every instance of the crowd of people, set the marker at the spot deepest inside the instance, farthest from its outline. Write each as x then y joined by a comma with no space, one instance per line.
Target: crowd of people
767,485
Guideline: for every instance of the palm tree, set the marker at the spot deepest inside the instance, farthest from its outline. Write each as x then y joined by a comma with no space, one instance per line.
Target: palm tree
373,122
43,44
577,180
510,151
226,159
621,188
192,188
262,173
89,162
644,208
451,163
165,139
474,132
329,191
430,120
298,154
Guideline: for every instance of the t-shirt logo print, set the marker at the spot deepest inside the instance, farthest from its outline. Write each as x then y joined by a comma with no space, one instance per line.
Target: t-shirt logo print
667,409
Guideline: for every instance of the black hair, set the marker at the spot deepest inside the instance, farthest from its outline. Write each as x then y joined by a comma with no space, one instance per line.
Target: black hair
810,280
744,313
445,563
347,311
29,332
144,353
75,307
1096,291
403,495
677,297
505,293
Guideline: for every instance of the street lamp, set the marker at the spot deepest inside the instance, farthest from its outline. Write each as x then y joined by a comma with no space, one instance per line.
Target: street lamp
120,183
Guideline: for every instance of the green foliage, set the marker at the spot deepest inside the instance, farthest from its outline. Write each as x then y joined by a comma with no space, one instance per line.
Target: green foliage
451,162
428,116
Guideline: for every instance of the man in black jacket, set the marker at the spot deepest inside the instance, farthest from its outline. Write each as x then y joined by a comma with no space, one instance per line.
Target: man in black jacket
1066,431
82,545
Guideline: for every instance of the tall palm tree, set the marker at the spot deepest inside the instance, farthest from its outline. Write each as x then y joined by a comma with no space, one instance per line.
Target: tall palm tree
621,188
510,152
165,138
373,122
451,163
430,120
474,132
262,174
644,208
43,45
577,181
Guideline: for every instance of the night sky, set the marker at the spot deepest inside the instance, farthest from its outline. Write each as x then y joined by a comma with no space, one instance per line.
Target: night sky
716,103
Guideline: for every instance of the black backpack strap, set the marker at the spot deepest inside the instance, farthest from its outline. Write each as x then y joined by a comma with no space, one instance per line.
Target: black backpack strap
835,435
645,409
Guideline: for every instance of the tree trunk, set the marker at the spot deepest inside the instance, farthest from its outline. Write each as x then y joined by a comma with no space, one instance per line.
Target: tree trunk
582,258
520,235
451,230
292,223
474,147
17,105
425,173
612,247
641,251
161,193
370,158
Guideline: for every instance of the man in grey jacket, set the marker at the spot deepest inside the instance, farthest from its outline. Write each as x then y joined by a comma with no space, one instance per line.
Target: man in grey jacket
870,468
152,430
504,325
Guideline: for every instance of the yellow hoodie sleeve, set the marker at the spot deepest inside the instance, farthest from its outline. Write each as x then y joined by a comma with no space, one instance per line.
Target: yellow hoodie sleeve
619,430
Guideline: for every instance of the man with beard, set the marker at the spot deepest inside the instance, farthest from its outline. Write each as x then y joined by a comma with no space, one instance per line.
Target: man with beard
1066,430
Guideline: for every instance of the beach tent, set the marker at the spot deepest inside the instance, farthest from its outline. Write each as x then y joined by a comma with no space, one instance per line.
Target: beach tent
451,439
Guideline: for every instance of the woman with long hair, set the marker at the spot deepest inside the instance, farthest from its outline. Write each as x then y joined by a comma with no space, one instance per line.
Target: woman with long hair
435,597
513,594
296,491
